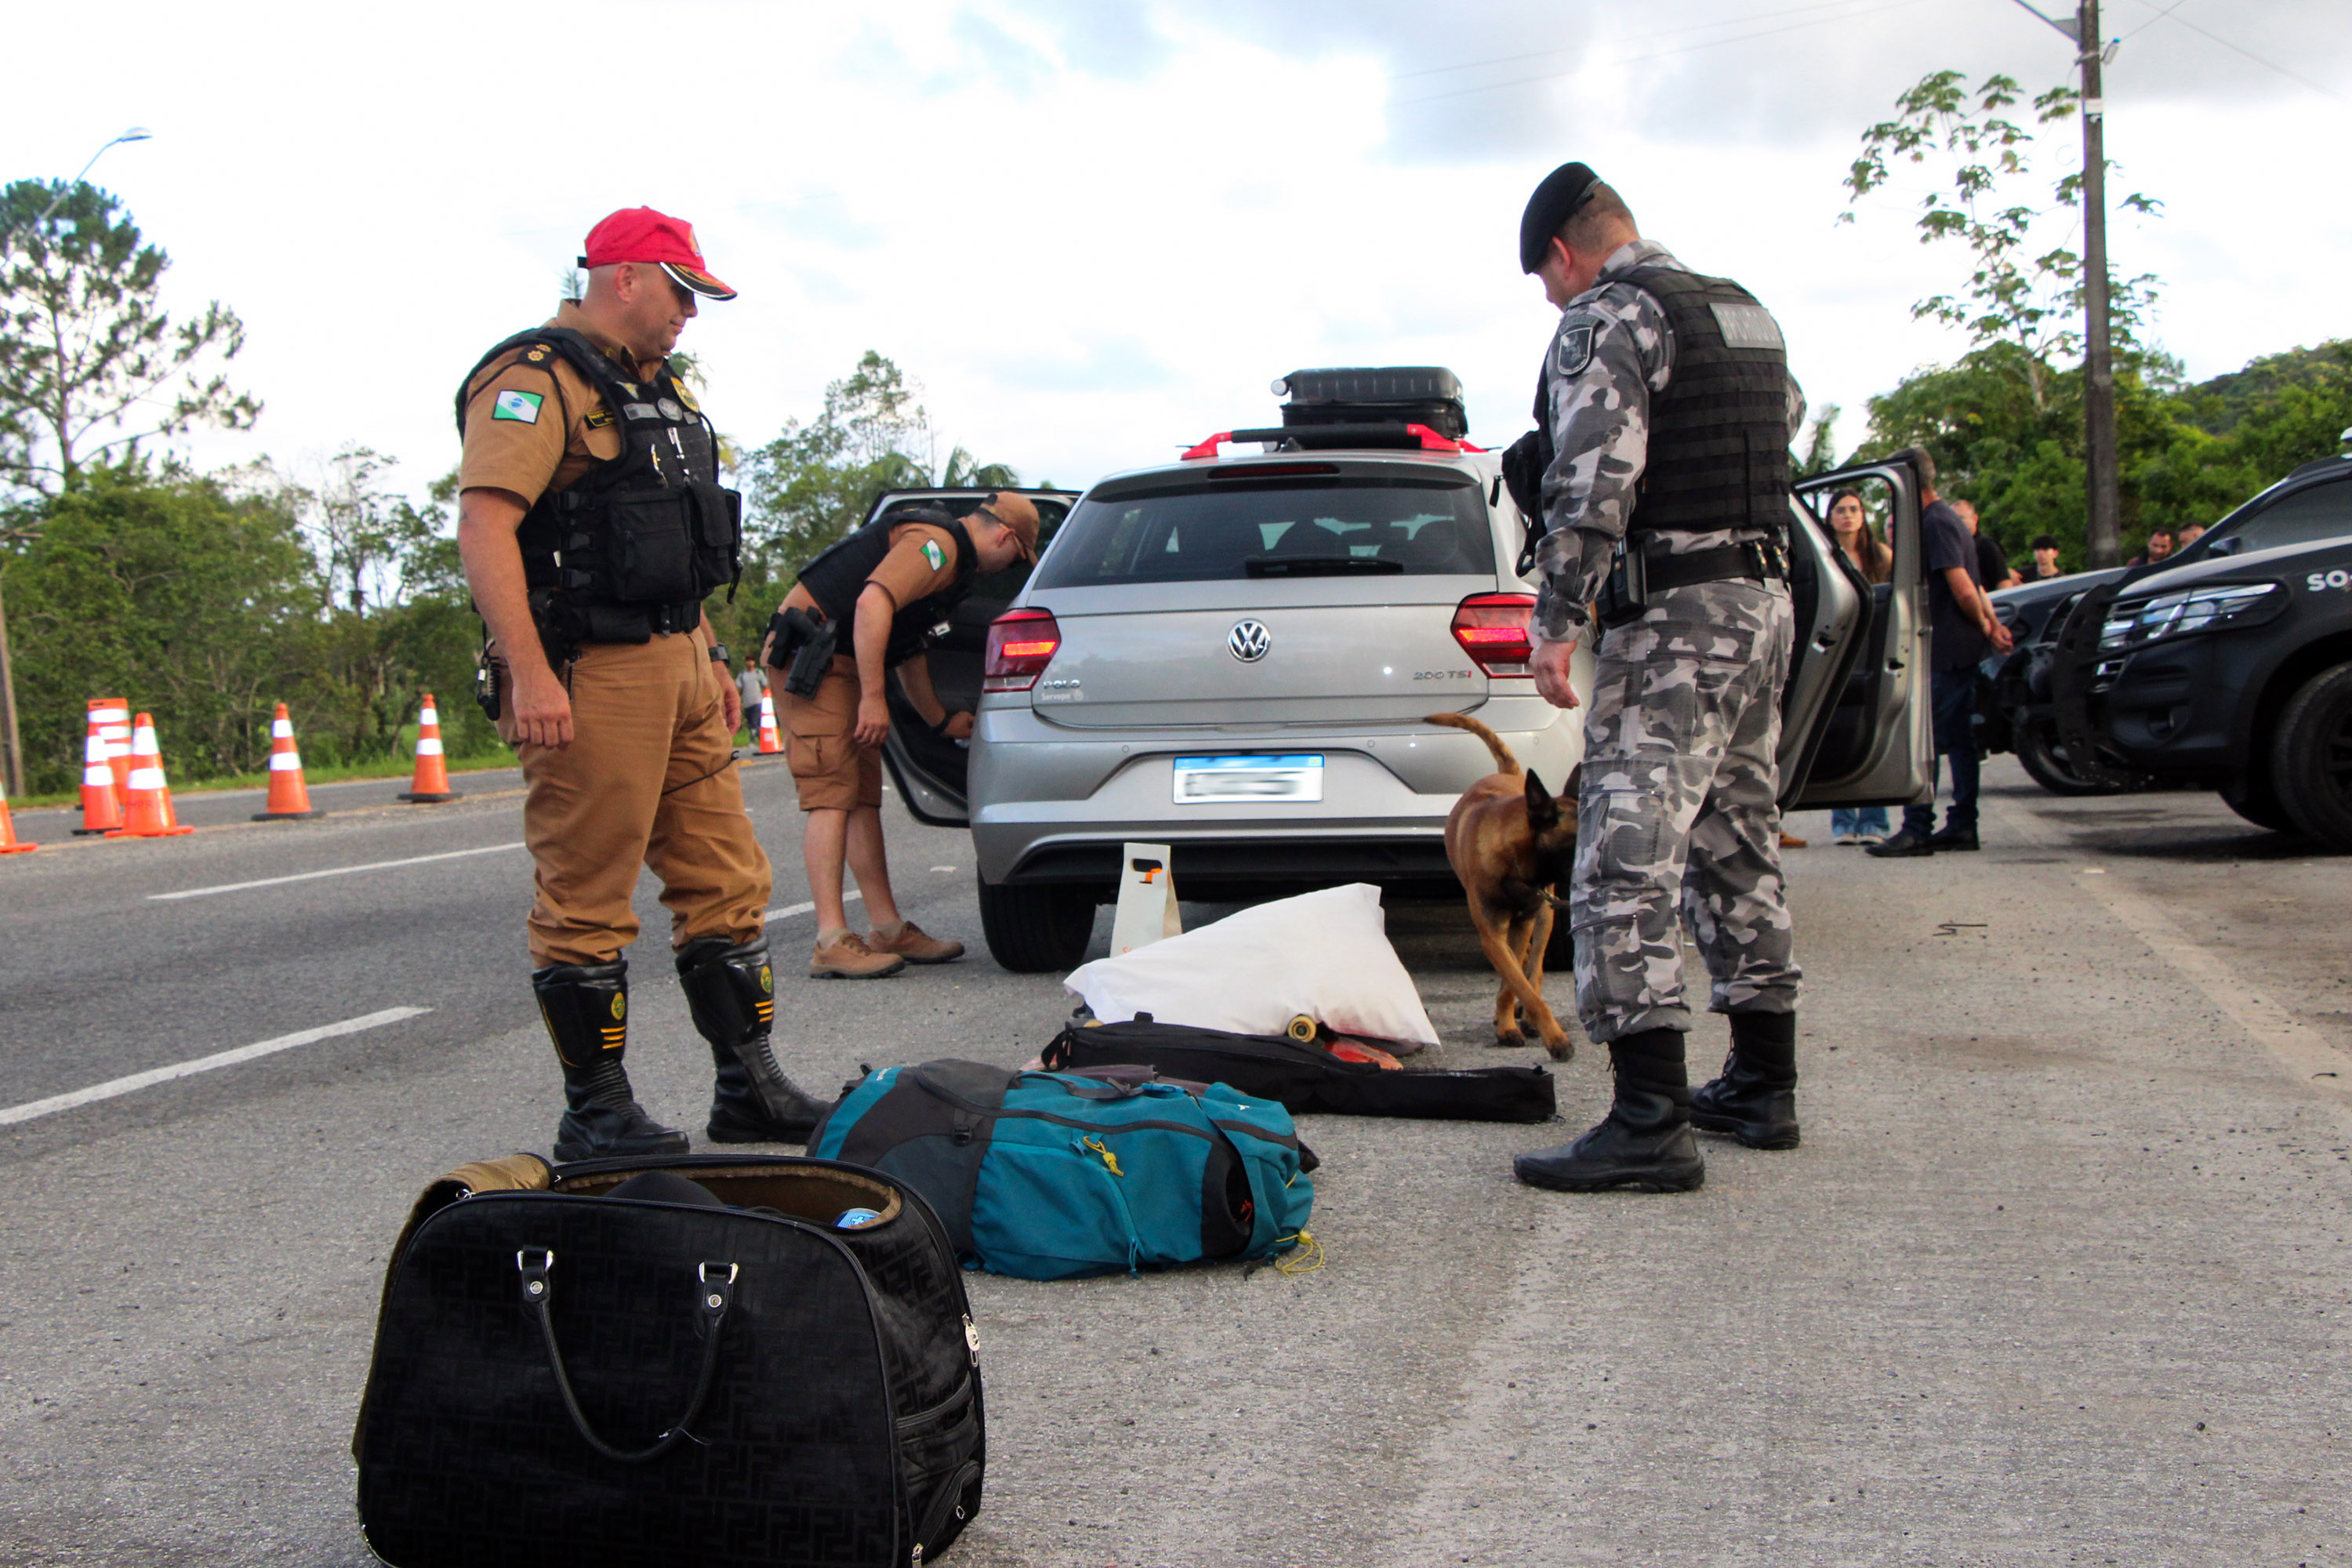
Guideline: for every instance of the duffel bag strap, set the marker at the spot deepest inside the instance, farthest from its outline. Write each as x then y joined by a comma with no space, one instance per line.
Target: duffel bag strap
714,1290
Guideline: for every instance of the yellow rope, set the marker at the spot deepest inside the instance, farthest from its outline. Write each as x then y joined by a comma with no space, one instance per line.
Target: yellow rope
1305,1259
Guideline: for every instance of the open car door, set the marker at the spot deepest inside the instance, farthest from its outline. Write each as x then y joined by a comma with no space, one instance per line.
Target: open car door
930,769
1856,724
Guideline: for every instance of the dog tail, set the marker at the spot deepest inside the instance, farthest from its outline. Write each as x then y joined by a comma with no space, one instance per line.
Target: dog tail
1503,761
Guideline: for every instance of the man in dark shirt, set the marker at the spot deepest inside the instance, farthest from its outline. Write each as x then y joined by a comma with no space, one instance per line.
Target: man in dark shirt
1964,630
2045,557
1992,566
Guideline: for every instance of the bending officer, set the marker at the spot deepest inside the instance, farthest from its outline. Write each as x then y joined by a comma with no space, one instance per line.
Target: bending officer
593,523
1668,406
890,585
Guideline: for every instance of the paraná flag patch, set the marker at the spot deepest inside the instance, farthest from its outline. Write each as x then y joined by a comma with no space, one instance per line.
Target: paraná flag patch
934,554
522,406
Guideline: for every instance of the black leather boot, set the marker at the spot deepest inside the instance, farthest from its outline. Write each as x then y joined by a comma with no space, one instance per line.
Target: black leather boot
1644,1140
1755,1100
586,1007
732,993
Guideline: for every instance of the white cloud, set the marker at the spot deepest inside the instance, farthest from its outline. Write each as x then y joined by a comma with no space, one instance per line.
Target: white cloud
1096,232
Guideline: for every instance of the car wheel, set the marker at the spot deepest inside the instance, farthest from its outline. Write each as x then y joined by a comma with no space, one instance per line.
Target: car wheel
2251,796
2310,758
1031,930
2045,758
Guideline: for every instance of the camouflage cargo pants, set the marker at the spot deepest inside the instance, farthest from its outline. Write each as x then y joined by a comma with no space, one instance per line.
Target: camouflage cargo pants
1678,807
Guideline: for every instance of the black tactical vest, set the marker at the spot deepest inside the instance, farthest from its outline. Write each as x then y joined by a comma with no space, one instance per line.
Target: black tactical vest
632,547
835,578
1718,451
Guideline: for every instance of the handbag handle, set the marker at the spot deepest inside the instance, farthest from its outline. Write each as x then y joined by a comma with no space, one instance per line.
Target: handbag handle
713,1293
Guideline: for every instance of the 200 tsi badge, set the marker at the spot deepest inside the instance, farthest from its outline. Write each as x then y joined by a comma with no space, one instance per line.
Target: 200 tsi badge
1248,641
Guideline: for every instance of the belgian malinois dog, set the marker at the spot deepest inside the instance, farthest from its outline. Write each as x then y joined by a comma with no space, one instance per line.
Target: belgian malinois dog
1513,844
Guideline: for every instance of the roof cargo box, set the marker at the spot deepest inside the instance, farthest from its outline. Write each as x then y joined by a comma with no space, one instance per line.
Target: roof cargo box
1407,395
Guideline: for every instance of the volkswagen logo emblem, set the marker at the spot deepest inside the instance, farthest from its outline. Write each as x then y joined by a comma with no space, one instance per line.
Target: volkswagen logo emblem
1248,641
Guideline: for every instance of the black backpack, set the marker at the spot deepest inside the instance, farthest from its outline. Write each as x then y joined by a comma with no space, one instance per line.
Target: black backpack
569,1379
1305,1078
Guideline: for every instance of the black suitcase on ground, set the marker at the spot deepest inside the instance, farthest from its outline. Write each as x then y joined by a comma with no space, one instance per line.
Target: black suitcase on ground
1304,1077
567,1379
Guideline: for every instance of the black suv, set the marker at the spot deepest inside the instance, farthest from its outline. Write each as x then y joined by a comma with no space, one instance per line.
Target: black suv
2229,663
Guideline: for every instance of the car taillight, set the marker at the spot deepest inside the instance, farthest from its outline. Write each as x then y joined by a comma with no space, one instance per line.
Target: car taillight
1493,630
1021,644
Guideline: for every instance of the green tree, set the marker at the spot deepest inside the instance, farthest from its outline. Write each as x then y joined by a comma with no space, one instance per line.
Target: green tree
2022,290
90,363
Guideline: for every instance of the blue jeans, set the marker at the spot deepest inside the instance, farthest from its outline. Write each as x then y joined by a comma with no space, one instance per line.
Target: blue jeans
1853,821
1952,694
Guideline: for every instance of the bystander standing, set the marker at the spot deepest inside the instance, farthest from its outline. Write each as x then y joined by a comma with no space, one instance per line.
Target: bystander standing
2160,545
2189,535
1850,526
2045,557
1993,564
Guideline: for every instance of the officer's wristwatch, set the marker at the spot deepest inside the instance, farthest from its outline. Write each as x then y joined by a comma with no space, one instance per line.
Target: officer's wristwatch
718,653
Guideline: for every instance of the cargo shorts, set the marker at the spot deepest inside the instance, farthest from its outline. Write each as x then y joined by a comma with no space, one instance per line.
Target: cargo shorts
830,769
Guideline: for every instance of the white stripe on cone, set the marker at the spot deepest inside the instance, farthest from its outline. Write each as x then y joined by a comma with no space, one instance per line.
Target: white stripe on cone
428,717
146,778
428,747
98,772
110,715
93,750
285,762
281,729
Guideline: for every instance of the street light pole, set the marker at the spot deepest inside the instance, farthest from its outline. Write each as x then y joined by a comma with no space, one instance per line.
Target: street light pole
12,743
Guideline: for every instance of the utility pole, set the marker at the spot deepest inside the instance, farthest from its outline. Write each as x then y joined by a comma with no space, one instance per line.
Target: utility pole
2098,354
12,743
2103,521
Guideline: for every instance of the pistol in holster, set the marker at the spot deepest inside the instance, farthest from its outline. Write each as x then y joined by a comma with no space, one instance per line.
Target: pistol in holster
1627,592
801,646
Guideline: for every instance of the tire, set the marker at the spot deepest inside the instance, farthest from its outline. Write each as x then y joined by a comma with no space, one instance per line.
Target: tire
1033,930
2249,794
2044,758
2310,758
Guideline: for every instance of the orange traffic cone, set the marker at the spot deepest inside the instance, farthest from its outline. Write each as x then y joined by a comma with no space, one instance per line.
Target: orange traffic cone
769,744
148,813
431,784
289,798
9,844
112,716
101,807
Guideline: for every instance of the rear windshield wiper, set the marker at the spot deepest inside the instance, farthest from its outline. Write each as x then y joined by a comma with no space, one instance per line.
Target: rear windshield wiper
1320,566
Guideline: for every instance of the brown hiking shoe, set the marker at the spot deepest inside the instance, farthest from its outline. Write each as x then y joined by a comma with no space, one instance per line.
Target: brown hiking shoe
846,957
909,941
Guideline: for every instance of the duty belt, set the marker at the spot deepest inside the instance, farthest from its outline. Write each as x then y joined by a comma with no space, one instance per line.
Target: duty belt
1641,571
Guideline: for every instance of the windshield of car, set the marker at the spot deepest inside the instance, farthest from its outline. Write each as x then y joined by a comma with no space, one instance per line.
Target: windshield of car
1202,529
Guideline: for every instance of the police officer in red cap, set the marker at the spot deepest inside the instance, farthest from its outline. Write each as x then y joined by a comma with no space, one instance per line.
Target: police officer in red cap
592,525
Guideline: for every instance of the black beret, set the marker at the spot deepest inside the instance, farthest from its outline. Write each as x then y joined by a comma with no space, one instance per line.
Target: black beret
1562,191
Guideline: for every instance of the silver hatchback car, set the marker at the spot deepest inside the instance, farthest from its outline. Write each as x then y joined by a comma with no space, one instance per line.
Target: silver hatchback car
1235,655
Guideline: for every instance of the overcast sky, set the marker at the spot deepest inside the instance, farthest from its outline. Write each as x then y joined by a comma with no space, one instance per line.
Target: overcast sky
1093,230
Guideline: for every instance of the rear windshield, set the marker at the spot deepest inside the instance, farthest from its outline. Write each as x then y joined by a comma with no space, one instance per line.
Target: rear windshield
1231,528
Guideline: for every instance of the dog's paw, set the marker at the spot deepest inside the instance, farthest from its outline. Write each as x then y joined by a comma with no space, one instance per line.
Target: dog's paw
1565,1051
1510,1042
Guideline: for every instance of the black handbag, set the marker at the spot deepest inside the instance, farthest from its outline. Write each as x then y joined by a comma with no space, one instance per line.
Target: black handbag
570,1379
1305,1078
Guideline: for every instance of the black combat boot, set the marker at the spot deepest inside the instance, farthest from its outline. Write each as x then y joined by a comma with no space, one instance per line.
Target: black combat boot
732,993
1755,1100
586,1007
1644,1140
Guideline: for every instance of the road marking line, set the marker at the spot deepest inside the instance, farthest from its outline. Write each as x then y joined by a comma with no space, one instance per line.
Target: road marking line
138,1080
789,910
2307,1055
338,872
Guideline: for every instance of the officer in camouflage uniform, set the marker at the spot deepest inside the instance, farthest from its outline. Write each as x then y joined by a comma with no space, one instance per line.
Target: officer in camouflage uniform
1667,407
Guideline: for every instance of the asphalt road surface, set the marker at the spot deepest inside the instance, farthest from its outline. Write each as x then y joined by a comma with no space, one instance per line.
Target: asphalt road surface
2059,1275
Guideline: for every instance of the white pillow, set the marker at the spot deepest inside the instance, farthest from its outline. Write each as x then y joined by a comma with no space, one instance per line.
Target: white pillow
1326,955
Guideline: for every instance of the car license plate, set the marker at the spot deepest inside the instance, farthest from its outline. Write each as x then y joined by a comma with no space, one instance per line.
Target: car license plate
1248,779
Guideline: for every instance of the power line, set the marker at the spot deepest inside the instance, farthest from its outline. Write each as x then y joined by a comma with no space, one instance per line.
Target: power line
2249,54
1662,54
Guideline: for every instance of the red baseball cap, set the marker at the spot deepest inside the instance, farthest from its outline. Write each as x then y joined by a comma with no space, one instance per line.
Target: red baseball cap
641,234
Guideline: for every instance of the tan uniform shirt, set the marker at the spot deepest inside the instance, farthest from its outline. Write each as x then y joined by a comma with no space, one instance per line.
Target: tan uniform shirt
532,422
922,562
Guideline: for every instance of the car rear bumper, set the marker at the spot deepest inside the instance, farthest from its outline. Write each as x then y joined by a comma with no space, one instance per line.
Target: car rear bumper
1053,806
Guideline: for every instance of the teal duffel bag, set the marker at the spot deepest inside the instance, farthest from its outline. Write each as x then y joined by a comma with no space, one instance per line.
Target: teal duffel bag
1052,1176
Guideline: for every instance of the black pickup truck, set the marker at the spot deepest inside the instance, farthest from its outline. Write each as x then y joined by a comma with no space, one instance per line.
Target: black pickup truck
2229,665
